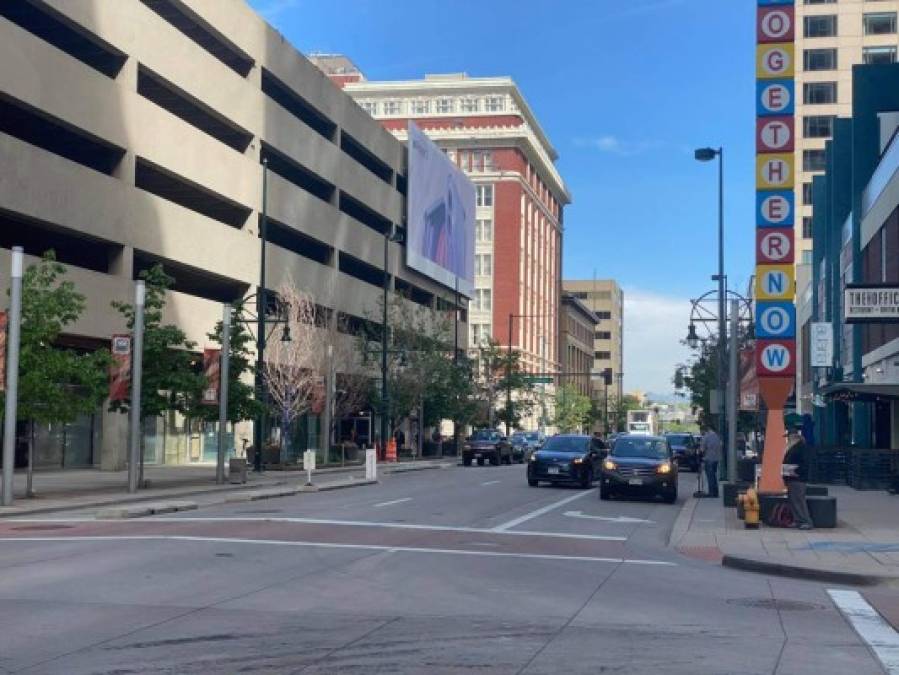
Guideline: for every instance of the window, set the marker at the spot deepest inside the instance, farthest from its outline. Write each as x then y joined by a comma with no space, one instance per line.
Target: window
602,356
483,265
483,230
807,227
603,335
393,107
806,193
820,59
480,334
817,126
445,105
483,299
421,107
484,195
807,257
881,23
603,315
879,55
821,26
469,105
819,92
814,160
371,107
495,103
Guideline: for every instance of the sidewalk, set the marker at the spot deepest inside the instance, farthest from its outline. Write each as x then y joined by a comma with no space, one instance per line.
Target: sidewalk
90,488
863,549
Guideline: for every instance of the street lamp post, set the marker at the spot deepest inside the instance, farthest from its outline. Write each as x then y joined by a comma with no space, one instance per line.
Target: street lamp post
389,236
707,155
258,431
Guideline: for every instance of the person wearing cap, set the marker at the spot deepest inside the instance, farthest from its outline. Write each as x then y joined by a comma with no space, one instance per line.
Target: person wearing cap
796,477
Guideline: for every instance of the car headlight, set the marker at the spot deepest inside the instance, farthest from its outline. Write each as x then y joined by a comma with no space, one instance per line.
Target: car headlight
532,458
609,465
578,460
664,468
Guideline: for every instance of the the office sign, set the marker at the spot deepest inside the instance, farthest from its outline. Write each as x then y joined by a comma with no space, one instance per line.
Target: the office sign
871,303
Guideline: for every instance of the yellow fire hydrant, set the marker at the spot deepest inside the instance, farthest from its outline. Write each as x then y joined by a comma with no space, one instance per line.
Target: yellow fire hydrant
750,503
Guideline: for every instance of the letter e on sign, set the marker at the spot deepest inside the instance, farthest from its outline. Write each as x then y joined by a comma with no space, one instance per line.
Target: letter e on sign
774,208
774,245
775,24
774,97
775,358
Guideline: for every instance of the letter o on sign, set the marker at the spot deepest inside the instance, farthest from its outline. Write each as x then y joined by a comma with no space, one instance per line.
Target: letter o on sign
775,321
776,24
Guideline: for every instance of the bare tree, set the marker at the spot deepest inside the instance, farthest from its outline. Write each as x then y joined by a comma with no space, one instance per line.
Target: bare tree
292,368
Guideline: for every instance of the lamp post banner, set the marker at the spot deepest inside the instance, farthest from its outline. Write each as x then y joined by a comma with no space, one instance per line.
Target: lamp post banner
212,372
120,370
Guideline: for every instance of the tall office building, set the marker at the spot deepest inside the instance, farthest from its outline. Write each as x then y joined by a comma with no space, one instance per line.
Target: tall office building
831,37
487,128
605,299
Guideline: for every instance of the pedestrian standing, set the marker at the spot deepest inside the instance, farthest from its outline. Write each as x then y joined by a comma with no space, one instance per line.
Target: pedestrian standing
710,446
795,475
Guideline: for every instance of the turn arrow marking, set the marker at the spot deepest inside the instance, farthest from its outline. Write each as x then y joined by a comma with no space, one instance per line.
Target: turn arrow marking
616,519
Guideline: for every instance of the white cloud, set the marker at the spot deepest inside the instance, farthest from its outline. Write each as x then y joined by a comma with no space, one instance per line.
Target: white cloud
654,325
613,145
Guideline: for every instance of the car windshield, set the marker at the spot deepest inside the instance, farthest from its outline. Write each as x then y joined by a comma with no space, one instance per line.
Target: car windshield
679,439
533,436
650,448
566,444
518,436
485,435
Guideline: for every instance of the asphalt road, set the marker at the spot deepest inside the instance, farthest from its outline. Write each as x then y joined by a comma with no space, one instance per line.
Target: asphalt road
462,570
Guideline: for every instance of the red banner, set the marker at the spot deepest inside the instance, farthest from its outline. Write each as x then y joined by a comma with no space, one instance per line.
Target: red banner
4,321
749,381
120,370
212,371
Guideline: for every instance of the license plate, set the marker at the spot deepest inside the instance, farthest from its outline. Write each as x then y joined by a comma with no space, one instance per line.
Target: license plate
635,481
553,470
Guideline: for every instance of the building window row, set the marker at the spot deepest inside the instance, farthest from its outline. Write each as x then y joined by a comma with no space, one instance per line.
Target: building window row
483,299
483,230
825,25
872,55
442,105
819,93
484,195
483,265
817,126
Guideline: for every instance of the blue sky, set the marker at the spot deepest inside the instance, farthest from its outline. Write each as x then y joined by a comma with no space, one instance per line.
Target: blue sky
625,90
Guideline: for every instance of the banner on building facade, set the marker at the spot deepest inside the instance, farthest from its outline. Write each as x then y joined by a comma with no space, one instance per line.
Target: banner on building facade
120,371
821,345
4,324
212,372
749,381
871,303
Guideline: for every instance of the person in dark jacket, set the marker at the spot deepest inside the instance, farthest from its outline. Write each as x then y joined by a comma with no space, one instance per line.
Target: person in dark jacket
796,478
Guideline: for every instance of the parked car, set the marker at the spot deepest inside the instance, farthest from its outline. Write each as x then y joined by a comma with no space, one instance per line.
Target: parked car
525,443
487,445
566,458
639,465
685,450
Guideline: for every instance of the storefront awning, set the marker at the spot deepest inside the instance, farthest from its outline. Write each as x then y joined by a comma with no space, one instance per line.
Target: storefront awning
861,390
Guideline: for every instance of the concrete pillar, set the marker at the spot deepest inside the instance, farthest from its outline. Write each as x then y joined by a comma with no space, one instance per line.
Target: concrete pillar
121,262
114,445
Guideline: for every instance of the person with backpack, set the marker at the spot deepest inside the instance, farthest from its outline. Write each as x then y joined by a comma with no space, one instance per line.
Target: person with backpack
795,475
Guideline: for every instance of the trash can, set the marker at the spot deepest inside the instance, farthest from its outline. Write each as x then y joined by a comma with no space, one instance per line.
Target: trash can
237,470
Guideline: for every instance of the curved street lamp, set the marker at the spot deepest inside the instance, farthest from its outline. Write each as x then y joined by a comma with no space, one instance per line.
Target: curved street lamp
692,337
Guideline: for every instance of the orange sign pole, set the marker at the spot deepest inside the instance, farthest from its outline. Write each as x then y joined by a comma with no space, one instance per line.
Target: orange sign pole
774,391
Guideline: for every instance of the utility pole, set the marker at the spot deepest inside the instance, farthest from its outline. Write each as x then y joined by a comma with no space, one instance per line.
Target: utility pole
12,375
733,393
509,379
135,456
261,307
223,393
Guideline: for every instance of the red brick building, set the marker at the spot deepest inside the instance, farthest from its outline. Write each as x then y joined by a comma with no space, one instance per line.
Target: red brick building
487,128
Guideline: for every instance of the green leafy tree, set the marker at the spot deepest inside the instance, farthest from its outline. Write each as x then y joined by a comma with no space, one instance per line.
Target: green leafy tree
171,374
573,409
56,384
500,372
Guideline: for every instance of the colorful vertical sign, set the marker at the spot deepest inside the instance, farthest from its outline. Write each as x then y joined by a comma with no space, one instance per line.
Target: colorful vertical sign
212,372
120,370
775,219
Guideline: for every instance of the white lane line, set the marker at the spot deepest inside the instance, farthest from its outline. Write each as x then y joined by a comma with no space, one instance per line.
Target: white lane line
394,501
607,519
362,523
364,547
872,627
491,482
539,512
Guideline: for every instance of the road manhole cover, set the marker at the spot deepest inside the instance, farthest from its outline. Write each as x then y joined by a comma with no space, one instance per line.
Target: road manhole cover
38,528
779,605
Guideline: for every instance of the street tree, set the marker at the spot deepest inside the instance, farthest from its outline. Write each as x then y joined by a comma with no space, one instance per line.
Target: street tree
292,368
572,409
171,379
57,383
501,372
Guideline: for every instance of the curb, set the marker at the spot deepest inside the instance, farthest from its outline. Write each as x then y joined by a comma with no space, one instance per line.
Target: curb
682,522
794,571
337,486
124,512
420,467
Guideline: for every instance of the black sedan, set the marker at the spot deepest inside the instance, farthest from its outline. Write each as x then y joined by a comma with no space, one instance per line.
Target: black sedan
639,465
684,450
565,459
487,445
